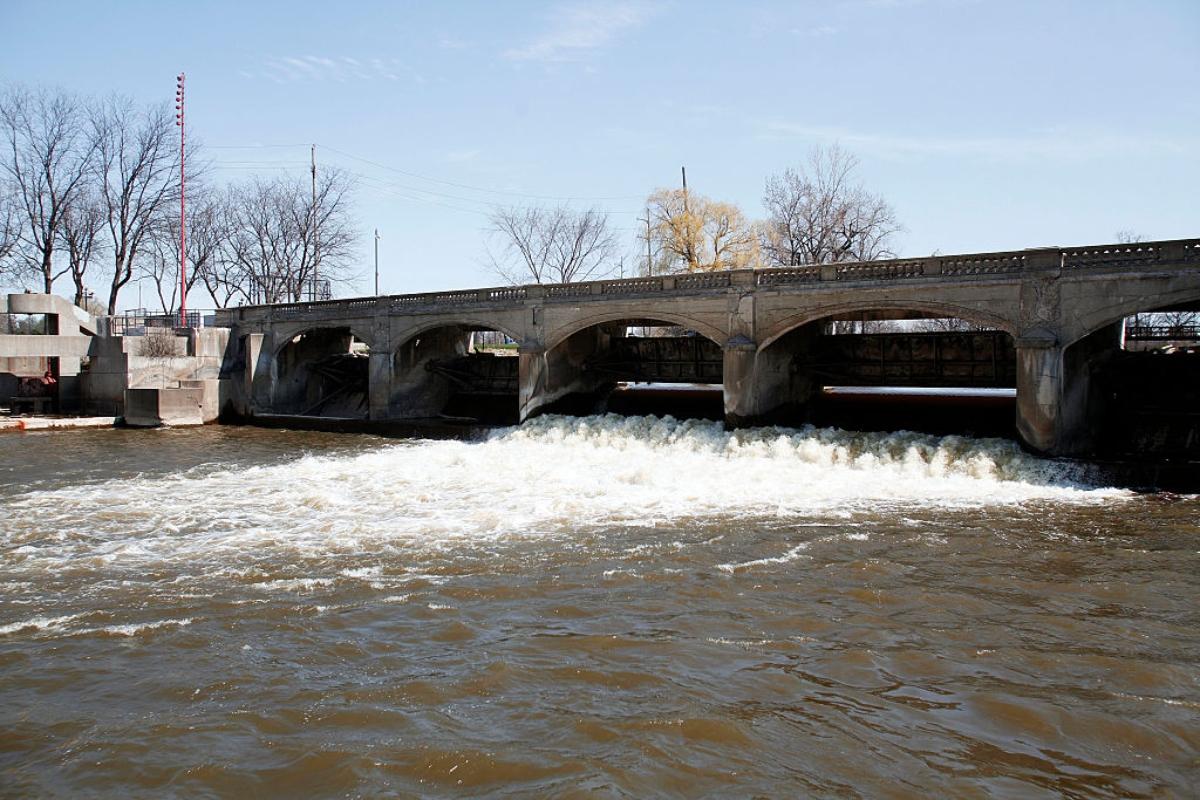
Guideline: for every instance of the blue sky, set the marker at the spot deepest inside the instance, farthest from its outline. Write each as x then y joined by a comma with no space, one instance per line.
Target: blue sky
987,125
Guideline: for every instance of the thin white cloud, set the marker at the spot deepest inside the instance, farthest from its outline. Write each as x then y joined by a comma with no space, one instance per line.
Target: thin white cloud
339,69
458,156
1054,144
383,70
328,68
580,28
908,3
356,68
302,67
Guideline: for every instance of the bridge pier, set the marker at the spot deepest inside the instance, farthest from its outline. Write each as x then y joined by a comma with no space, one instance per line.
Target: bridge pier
531,379
547,376
739,378
261,373
1039,392
1060,400
765,385
379,384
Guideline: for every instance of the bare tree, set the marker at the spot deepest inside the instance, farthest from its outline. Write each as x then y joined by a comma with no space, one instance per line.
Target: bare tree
1126,236
866,325
224,273
552,245
207,243
946,325
1182,323
819,215
1177,323
8,232
262,248
46,161
278,241
206,238
158,343
81,235
158,262
694,233
137,175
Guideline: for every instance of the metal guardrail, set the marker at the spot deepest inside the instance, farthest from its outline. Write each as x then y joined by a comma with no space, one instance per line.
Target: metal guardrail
135,323
968,266
1163,333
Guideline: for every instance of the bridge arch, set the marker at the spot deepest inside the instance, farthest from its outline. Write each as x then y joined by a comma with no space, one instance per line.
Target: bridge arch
567,330
883,364
439,369
286,334
947,310
602,363
1125,396
466,322
1111,315
321,370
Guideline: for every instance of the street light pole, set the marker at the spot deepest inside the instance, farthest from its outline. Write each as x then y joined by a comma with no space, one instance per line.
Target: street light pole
377,262
649,261
316,249
182,202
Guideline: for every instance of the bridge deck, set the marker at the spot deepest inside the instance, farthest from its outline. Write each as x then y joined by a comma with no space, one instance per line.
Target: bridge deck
940,268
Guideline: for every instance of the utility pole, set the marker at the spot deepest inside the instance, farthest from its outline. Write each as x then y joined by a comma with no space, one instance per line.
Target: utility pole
316,259
377,262
182,203
649,261
683,170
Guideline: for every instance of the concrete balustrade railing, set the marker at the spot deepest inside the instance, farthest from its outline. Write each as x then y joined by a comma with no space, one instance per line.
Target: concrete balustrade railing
1097,258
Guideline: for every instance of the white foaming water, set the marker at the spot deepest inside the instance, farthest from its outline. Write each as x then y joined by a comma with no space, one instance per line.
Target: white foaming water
551,476
62,625
40,623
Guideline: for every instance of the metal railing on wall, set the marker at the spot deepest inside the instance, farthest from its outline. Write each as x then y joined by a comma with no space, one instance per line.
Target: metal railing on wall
1162,333
135,322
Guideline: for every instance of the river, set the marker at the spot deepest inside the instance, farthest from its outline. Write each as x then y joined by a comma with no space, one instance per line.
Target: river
593,607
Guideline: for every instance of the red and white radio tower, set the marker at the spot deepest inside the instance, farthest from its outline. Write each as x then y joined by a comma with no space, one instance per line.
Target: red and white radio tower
182,203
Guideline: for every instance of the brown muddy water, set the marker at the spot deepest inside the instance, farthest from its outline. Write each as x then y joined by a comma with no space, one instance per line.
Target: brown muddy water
595,607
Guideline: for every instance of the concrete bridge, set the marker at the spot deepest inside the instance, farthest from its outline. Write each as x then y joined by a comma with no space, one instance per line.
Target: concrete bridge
1054,315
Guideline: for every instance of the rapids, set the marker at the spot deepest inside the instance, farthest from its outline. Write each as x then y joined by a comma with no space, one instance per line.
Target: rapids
617,606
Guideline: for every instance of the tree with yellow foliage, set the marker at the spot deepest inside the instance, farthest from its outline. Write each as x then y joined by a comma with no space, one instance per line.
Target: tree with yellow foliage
693,233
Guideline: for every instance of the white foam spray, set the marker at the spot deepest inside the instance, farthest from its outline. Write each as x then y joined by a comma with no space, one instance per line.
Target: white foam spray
551,476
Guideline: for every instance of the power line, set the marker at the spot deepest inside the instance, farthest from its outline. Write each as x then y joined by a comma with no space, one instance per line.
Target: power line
285,165
392,192
448,196
252,146
474,188
467,186
372,182
382,185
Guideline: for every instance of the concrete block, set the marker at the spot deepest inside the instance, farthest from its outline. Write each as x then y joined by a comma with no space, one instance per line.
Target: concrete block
151,408
32,346
208,342
210,397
